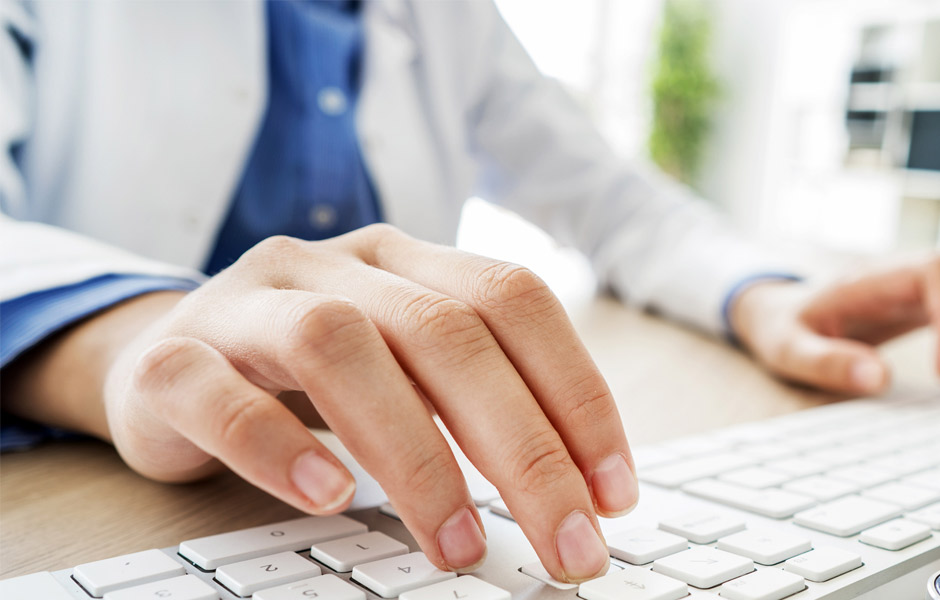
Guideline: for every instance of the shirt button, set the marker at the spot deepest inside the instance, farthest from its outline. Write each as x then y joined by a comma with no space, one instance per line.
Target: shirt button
322,216
332,101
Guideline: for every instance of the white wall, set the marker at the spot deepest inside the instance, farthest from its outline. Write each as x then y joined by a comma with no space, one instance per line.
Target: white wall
775,158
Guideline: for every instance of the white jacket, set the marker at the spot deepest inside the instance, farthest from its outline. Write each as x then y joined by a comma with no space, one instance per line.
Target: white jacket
135,119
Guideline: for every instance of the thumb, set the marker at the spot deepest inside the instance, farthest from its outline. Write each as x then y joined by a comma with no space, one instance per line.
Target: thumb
836,364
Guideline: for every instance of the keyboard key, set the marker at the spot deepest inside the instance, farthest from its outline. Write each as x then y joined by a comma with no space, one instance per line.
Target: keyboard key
757,478
766,451
797,466
187,587
907,496
499,507
343,554
103,576
633,583
905,463
247,577
325,587
847,516
767,584
884,445
774,503
703,567
647,457
837,456
895,535
675,474
29,587
389,511
702,527
696,445
211,552
765,547
391,577
864,475
538,571
864,450
821,488
466,587
643,545
749,433
811,442
929,515
481,490
822,564
929,479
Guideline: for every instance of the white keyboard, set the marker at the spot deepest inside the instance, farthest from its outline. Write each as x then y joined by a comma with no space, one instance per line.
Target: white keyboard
832,503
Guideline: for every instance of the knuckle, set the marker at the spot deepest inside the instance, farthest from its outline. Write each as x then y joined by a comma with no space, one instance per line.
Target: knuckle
588,401
427,468
541,461
236,420
434,319
334,325
832,368
274,246
379,231
505,286
277,245
163,363
369,241
272,255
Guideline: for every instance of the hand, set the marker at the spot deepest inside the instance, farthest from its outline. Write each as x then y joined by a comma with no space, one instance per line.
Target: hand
827,337
371,325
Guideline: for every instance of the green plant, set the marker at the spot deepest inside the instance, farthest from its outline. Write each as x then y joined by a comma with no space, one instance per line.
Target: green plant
683,89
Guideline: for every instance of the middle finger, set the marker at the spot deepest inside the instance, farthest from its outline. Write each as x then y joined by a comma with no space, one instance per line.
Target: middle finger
450,353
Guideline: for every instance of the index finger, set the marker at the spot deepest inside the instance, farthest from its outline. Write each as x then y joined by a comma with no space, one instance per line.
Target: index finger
533,330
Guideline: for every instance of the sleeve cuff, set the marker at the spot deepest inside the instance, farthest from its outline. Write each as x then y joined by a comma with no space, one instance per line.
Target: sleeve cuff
27,320
739,287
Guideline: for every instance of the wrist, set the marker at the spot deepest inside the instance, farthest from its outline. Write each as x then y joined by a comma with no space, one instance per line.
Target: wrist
60,381
750,305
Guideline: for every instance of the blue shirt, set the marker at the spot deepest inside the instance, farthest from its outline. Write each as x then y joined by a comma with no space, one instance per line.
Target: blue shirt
305,176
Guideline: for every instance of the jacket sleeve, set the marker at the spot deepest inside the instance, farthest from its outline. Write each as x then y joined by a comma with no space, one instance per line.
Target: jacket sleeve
34,256
40,263
650,240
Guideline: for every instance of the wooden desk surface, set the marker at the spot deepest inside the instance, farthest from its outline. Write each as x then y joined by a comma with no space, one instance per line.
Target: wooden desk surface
71,502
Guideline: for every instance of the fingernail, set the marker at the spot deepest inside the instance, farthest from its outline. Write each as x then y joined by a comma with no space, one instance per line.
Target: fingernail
325,484
614,485
461,542
867,374
580,550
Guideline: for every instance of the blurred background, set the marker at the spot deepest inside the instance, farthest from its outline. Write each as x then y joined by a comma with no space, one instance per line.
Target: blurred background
813,124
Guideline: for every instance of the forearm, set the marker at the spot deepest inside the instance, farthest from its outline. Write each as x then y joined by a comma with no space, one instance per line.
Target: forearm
60,381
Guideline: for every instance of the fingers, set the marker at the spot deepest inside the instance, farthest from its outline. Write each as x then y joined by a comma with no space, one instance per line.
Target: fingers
450,353
540,450
872,308
361,392
532,329
836,364
198,393
326,347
